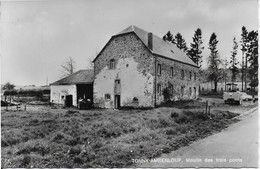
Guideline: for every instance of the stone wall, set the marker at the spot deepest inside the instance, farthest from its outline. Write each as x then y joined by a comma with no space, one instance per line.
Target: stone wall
132,67
176,80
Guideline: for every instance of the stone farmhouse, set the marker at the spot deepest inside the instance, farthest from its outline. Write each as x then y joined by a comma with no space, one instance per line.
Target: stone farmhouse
135,67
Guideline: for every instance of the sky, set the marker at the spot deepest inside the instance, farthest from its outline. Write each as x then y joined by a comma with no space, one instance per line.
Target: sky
37,37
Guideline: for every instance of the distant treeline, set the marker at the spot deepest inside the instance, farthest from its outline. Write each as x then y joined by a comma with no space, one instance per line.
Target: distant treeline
28,92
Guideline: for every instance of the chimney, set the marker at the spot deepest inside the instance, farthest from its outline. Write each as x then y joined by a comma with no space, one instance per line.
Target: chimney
150,41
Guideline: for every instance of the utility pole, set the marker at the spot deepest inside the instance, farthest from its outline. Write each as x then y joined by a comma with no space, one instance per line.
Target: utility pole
246,75
225,73
242,71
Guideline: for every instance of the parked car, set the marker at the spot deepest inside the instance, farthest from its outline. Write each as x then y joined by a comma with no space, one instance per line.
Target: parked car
246,97
236,97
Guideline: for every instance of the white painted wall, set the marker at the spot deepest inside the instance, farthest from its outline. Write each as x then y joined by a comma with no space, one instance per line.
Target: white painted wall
62,90
133,84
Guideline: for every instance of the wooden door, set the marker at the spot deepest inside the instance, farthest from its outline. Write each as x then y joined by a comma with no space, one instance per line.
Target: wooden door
117,101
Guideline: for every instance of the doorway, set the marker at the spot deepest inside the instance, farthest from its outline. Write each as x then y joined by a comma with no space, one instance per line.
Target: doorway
117,101
68,101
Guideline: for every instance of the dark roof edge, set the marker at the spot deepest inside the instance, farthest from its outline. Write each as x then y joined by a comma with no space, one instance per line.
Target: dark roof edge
176,60
58,84
102,49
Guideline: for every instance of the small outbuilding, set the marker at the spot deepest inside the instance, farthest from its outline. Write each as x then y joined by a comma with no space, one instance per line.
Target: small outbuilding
69,90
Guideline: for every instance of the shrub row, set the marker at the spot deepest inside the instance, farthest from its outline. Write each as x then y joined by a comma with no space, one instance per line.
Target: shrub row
27,92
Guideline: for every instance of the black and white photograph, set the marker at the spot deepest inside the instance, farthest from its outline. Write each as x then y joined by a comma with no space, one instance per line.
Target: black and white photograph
129,83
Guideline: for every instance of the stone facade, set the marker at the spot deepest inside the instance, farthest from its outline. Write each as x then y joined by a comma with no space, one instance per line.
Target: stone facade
127,69
133,69
172,75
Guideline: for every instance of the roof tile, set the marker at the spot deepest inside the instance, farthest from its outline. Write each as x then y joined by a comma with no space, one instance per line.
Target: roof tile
160,47
79,77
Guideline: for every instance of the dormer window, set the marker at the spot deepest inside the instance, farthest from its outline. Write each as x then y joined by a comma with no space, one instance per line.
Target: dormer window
112,64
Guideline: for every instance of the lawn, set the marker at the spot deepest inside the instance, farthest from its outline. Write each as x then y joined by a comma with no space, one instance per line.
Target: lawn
45,137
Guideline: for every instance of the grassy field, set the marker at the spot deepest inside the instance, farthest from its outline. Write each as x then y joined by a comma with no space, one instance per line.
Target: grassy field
45,137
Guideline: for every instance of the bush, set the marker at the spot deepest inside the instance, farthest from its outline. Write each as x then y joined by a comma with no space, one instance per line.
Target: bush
10,92
171,131
78,160
166,94
188,116
25,161
74,150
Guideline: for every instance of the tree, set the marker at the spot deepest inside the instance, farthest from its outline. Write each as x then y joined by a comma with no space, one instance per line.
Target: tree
214,61
68,67
234,62
244,42
196,48
168,37
252,53
9,90
224,72
90,64
8,86
180,42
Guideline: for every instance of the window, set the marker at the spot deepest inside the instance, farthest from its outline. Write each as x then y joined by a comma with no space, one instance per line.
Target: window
182,74
107,97
135,100
112,64
190,75
159,69
117,81
194,76
190,91
159,89
171,72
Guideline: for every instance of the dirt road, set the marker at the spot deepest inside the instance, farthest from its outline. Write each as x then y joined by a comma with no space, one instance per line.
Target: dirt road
237,146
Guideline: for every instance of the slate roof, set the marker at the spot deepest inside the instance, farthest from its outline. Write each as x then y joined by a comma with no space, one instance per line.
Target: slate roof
79,77
160,47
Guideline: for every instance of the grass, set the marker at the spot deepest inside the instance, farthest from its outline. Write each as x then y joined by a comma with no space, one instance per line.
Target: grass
51,138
